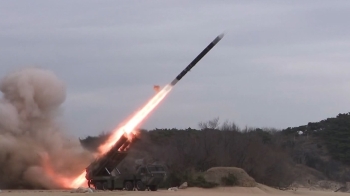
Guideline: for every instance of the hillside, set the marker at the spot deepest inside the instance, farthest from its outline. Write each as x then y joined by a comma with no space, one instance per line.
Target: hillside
324,146
304,154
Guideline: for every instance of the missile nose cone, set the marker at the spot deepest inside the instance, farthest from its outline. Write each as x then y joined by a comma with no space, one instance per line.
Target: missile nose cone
218,38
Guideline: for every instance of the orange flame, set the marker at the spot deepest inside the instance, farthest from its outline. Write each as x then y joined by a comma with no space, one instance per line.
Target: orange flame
127,128
135,120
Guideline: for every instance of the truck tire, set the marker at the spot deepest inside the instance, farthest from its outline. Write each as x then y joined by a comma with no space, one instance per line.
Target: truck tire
129,186
98,186
140,186
153,187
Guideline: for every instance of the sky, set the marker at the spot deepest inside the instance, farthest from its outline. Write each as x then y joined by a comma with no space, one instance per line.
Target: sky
281,63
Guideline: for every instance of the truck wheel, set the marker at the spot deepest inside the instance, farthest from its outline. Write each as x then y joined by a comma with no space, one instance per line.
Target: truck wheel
140,186
153,187
128,186
98,186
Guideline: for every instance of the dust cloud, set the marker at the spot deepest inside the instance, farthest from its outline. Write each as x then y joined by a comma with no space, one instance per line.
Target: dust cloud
34,150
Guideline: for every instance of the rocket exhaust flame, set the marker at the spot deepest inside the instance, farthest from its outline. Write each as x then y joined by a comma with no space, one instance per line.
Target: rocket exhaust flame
135,120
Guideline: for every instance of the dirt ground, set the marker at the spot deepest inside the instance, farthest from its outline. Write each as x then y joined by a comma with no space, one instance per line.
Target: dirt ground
221,191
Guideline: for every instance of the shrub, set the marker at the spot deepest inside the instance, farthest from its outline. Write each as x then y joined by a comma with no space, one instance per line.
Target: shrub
201,182
229,180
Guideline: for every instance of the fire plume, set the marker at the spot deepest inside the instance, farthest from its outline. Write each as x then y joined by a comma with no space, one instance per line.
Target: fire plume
127,128
135,120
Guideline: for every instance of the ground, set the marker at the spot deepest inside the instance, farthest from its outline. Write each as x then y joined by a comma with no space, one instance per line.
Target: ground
221,191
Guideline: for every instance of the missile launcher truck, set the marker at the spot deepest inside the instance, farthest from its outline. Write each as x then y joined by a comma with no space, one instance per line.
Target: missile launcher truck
103,173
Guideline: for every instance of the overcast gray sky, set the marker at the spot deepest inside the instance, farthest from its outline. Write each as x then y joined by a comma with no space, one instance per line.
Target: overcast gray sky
280,64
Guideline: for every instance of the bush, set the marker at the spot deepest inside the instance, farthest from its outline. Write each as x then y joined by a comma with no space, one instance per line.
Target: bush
201,182
229,180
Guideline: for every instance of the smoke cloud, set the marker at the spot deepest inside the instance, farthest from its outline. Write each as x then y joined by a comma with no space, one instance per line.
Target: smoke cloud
34,150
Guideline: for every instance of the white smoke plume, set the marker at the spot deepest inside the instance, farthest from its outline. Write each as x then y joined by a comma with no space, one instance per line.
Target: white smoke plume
33,147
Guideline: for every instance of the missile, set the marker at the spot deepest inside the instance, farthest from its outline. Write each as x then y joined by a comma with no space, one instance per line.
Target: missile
197,59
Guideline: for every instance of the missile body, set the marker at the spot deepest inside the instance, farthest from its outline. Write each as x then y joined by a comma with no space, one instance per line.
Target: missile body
198,58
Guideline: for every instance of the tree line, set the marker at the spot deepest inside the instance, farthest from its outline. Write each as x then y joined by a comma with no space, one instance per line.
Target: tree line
270,156
186,151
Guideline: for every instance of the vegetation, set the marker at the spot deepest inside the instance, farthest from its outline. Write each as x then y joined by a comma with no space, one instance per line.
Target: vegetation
335,133
323,146
201,182
229,180
268,155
